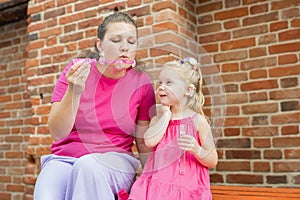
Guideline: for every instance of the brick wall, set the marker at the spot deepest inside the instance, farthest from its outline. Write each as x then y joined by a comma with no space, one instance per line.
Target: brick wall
256,46
15,110
255,49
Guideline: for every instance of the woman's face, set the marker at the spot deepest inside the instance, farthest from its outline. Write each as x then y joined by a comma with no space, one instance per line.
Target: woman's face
119,43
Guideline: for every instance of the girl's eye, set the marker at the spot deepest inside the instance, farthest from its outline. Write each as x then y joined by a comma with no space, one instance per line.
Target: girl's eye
169,82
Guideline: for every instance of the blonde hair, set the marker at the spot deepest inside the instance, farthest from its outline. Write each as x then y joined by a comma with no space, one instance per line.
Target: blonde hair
189,69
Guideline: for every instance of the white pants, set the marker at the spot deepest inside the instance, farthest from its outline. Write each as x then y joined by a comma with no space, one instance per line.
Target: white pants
90,177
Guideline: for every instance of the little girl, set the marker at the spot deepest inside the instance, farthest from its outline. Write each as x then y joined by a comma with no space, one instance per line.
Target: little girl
181,136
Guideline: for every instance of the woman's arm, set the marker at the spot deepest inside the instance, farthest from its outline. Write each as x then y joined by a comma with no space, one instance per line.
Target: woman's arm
206,154
62,115
140,142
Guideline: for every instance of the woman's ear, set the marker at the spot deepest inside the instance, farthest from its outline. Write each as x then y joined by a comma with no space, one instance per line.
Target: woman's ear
190,90
99,45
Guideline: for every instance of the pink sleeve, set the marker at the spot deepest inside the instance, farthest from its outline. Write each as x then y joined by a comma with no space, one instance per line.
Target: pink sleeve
147,107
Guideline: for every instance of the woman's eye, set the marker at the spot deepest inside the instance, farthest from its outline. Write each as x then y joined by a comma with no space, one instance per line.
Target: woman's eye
169,82
115,41
131,41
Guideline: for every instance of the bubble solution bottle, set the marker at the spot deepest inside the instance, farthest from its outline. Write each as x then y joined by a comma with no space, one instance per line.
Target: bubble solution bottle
182,158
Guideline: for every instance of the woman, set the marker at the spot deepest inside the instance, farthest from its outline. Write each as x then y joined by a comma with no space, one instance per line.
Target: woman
99,106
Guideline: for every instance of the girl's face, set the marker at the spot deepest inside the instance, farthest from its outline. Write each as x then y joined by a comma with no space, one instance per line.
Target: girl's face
119,43
171,89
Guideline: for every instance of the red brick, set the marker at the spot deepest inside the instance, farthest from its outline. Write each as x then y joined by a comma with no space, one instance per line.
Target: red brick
210,28
258,52
51,41
282,48
267,39
295,22
230,56
52,50
285,94
260,131
276,26
72,37
230,67
170,37
273,154
286,141
262,8
214,37
286,166
229,14
257,30
292,154
290,13
71,18
5,196
258,74
14,154
88,24
258,63
166,26
232,24
209,7
289,35
54,13
34,9
232,111
231,132
239,77
287,59
161,5
261,167
260,108
233,166
244,179
258,96
289,130
36,26
284,71
259,85
260,19
43,130
237,121
261,143
238,44
15,188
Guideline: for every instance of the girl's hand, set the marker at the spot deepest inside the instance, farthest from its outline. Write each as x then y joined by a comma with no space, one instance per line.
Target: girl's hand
189,143
164,111
77,75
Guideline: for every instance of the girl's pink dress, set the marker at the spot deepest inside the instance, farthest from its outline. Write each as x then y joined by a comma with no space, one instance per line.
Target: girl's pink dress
162,178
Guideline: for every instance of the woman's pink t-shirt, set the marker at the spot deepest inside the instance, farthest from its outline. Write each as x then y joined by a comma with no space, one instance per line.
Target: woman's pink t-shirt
107,114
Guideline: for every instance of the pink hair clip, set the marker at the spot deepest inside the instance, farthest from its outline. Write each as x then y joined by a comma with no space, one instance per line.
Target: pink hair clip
191,60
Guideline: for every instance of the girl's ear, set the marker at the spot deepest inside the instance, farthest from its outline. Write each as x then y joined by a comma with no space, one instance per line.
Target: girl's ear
190,90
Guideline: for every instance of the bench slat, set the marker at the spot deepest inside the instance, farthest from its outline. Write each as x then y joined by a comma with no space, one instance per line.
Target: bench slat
254,193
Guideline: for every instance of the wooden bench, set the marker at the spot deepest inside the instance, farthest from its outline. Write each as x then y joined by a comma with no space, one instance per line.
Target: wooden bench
254,193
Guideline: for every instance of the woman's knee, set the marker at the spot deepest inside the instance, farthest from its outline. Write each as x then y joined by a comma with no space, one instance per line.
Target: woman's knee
52,181
89,164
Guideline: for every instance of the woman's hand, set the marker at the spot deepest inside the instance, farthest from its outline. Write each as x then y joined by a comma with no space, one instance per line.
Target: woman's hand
77,75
